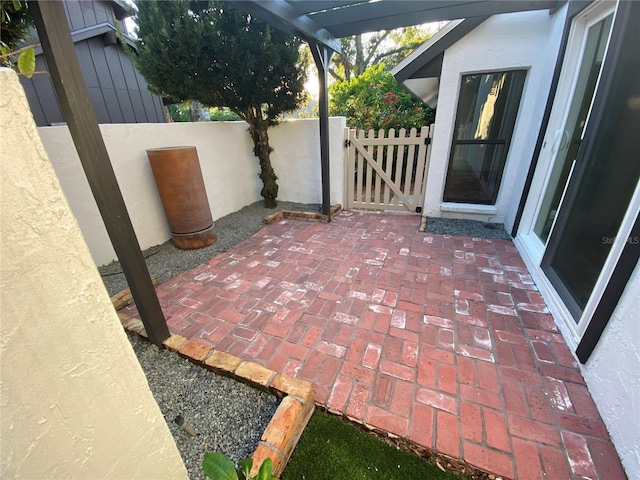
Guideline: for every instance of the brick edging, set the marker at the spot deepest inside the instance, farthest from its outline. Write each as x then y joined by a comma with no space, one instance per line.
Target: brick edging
292,415
274,217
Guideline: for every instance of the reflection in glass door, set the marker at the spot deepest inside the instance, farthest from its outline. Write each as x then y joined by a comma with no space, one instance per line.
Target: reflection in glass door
568,139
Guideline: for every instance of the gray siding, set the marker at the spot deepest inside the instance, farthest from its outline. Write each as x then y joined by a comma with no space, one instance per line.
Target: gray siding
84,13
119,94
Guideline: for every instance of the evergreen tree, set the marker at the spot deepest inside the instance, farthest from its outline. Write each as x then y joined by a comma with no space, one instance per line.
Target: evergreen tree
203,51
15,23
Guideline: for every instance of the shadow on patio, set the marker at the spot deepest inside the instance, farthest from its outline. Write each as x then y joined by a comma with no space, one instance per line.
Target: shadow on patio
441,340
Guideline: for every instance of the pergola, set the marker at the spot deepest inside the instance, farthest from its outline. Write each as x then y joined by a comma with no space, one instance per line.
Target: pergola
318,22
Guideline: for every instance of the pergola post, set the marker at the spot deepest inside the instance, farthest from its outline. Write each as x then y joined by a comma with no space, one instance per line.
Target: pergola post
322,56
62,62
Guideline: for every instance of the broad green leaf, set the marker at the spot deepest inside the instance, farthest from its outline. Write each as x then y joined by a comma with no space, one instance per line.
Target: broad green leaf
17,6
245,465
4,50
265,470
218,467
27,62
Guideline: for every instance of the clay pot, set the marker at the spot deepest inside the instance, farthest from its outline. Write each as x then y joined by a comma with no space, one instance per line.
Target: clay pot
178,177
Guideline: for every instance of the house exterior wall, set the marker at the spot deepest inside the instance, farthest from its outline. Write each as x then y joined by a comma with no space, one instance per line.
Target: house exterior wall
75,402
229,168
526,40
85,13
118,93
612,376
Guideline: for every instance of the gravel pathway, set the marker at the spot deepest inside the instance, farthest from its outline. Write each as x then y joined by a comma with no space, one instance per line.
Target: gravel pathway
228,416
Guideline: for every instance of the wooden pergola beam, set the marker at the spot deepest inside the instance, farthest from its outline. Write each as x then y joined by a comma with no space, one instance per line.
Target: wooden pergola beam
282,15
322,57
62,62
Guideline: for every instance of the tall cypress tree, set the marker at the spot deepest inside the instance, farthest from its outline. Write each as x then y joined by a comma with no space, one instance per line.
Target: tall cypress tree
221,57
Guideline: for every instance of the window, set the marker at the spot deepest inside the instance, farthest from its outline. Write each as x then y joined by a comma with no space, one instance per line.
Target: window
487,110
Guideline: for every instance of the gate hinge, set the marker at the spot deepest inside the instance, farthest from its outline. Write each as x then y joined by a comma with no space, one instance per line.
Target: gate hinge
347,143
427,141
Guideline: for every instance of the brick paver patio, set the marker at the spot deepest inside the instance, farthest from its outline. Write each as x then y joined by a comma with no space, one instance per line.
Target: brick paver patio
442,340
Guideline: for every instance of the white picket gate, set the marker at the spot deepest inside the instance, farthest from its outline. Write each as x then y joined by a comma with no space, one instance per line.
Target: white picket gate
387,172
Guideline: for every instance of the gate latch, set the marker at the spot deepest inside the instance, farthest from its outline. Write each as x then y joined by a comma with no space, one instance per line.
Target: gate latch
347,143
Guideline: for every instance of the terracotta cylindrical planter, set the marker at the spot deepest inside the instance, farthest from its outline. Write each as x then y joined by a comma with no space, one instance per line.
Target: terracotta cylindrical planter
178,177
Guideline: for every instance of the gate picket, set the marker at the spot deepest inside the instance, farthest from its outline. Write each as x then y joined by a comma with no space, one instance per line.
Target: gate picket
399,169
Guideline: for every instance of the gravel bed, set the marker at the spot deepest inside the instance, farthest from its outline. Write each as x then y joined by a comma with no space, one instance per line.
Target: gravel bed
228,416
166,261
467,228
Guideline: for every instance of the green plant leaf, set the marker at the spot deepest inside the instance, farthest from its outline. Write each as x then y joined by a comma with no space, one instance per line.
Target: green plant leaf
218,467
245,466
27,62
16,5
265,470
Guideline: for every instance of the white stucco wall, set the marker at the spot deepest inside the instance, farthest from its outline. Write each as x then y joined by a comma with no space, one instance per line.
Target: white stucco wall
526,40
612,374
229,168
75,402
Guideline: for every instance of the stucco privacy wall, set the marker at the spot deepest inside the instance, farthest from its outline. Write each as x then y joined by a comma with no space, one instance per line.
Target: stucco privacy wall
75,402
229,168
612,374
527,40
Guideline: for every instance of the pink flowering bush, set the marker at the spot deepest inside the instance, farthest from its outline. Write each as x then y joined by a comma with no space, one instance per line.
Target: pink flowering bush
374,100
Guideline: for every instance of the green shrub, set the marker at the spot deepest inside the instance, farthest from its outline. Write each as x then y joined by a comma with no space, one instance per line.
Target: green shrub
374,100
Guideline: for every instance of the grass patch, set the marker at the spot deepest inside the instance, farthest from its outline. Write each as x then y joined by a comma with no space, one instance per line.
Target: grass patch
332,449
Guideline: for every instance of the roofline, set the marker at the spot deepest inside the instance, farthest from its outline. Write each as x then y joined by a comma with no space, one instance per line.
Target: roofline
95,31
121,9
435,46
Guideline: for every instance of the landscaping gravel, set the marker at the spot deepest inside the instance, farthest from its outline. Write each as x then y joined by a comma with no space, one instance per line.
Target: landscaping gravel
166,261
228,416
466,228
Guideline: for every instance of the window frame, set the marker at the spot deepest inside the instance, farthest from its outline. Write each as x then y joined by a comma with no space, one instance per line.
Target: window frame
505,143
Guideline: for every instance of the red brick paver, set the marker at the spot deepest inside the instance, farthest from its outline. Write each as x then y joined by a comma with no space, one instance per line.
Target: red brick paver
442,340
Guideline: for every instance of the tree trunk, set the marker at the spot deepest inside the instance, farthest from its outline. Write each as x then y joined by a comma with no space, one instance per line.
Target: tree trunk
261,148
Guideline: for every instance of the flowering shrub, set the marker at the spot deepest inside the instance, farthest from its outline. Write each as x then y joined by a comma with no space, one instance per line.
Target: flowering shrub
374,100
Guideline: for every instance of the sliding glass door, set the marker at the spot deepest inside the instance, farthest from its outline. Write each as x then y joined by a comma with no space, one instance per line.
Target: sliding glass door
605,179
567,139
585,194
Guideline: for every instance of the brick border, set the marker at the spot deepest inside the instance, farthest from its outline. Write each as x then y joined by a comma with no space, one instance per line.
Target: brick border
335,209
281,435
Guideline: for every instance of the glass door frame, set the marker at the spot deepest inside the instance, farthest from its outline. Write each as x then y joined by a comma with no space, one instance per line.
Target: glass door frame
530,245
554,134
620,62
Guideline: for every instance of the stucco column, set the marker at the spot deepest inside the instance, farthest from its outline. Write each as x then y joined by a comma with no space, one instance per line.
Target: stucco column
75,402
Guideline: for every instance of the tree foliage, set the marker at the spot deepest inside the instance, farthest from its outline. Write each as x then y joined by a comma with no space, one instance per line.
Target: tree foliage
15,23
15,20
374,101
360,52
200,50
